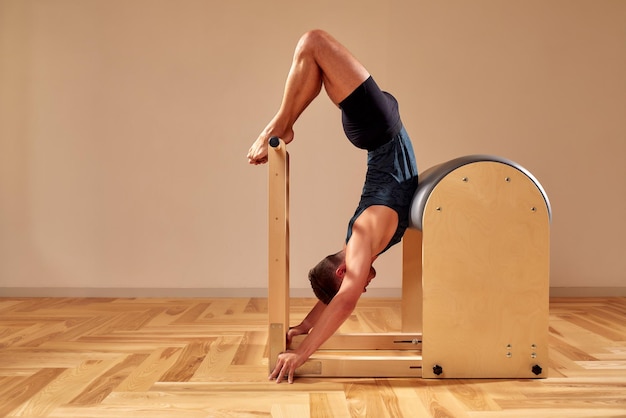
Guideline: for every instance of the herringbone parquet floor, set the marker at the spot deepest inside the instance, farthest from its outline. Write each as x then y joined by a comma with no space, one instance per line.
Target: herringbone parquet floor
73,357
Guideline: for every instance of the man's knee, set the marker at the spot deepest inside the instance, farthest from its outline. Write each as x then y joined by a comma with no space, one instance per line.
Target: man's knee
313,40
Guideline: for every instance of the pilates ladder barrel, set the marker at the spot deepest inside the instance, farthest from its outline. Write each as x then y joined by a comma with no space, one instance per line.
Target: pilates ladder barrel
475,279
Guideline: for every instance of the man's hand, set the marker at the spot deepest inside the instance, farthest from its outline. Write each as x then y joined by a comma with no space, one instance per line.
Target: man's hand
294,331
286,365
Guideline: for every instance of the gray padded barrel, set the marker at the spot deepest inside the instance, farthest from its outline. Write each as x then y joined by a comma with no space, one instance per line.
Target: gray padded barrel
431,177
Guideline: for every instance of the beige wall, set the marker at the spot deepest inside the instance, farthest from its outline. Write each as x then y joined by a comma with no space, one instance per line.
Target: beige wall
124,127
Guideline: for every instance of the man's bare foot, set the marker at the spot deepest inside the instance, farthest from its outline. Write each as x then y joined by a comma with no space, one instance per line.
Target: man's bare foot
257,154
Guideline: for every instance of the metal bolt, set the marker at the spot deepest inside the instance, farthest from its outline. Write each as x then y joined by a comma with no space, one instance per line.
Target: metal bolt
438,209
465,179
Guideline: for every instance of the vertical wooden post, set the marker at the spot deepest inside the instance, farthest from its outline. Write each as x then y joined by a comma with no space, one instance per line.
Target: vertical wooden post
278,248
412,281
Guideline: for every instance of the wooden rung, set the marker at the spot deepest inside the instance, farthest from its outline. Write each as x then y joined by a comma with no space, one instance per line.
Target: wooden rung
377,363
369,341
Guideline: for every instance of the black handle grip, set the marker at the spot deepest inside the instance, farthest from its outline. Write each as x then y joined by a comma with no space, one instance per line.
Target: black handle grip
274,141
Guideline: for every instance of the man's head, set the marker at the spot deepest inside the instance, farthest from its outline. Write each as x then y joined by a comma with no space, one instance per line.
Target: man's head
324,278
327,275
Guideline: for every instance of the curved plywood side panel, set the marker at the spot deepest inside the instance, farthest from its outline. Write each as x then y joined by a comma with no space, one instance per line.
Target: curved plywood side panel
485,274
430,178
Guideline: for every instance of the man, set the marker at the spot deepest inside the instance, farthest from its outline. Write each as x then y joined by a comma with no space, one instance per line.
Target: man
371,121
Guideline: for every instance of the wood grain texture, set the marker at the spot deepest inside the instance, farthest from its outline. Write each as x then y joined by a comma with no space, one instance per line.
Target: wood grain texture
485,276
68,357
278,249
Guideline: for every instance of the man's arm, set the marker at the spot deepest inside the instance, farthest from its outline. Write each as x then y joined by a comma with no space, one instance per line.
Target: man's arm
358,263
309,322
335,314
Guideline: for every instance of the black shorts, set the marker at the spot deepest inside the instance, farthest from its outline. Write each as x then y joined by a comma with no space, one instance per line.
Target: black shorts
370,116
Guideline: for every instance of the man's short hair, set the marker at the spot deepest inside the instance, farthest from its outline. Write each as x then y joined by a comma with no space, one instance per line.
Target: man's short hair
323,278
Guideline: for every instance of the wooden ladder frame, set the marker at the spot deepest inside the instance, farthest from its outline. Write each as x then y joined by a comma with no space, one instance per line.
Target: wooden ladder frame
385,354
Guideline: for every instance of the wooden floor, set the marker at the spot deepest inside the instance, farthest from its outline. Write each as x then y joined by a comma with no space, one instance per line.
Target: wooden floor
207,358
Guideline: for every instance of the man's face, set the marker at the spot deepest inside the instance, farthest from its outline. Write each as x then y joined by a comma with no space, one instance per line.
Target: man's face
369,278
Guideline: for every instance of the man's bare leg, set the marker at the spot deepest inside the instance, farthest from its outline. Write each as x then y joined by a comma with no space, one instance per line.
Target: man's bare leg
319,60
